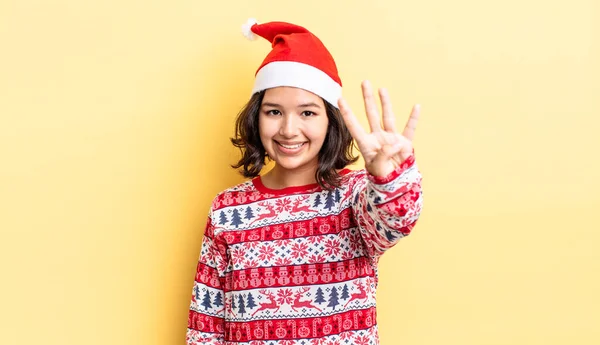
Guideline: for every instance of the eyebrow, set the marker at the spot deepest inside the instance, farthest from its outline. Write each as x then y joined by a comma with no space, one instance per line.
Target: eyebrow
303,105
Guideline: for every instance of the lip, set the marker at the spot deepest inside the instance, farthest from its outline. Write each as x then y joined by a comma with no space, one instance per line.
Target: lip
289,143
290,151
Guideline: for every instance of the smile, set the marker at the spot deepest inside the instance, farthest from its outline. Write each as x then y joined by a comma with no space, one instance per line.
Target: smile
291,147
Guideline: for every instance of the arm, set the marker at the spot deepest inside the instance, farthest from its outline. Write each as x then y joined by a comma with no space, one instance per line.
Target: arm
207,311
387,201
387,208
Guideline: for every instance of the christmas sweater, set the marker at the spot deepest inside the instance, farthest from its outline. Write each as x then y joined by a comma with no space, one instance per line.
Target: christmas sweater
298,266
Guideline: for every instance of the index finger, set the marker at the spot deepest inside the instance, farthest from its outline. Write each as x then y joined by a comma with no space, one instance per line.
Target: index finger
351,121
411,124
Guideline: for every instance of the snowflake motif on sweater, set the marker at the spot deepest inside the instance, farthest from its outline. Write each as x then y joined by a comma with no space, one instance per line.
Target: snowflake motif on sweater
298,266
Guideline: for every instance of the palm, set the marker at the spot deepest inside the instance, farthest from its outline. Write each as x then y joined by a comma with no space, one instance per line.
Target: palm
383,149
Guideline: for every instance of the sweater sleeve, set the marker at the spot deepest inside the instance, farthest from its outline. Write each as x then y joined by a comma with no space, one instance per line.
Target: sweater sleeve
387,208
206,318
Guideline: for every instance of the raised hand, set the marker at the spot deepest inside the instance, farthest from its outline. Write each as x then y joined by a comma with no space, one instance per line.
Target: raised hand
383,149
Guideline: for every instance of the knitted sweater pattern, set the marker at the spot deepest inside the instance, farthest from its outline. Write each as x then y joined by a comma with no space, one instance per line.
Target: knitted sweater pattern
298,266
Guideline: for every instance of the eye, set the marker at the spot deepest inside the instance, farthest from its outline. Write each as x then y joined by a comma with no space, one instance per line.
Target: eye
308,113
273,112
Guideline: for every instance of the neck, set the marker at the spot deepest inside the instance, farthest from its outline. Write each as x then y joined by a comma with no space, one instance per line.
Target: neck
279,177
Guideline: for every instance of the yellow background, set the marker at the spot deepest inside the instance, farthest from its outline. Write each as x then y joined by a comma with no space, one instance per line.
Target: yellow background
115,119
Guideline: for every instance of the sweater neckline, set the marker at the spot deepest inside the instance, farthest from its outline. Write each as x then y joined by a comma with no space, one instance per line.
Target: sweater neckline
258,184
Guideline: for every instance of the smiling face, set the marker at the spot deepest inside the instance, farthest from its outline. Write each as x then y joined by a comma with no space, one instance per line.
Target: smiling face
293,125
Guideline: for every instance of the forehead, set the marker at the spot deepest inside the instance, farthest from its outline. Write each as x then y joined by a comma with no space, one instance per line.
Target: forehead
291,96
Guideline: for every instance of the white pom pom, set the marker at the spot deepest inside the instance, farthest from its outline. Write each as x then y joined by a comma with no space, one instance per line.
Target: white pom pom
247,29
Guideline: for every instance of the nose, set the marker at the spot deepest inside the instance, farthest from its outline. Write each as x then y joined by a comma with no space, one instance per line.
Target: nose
289,126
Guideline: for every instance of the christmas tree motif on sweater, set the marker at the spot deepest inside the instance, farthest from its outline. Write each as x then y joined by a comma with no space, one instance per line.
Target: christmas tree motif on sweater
345,292
250,303
236,220
338,195
333,298
206,301
329,201
249,215
320,299
218,299
241,306
317,202
196,292
223,218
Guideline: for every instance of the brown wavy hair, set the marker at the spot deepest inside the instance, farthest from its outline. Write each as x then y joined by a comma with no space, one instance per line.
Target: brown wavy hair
336,152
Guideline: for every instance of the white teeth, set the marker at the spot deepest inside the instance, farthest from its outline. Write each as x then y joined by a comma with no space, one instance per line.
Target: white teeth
292,147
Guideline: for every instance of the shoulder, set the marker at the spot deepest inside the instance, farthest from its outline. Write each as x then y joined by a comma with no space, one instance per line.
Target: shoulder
239,194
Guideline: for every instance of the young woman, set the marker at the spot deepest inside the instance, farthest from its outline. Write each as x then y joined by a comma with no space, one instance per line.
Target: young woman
290,257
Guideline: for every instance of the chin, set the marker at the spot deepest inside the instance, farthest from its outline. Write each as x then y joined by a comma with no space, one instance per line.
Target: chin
293,164
287,165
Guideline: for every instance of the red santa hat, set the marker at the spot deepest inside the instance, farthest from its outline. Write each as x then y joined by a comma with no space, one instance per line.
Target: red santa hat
298,58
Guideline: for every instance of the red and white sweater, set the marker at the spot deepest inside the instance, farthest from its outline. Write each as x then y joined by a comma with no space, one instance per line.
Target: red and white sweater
298,266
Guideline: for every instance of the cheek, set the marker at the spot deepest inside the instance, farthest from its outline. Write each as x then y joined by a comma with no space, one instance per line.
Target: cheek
318,133
265,130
